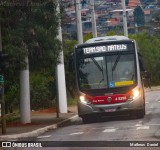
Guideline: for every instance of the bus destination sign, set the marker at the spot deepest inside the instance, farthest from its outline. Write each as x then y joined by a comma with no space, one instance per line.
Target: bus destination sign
102,49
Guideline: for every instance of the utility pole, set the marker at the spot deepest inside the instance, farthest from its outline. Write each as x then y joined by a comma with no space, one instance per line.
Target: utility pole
2,101
61,84
79,22
25,110
124,18
94,28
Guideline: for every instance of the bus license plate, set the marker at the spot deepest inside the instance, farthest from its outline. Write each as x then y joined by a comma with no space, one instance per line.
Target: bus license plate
110,110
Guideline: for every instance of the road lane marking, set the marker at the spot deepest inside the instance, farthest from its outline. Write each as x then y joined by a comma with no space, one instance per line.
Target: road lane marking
110,130
157,99
143,128
100,128
151,106
154,124
77,133
138,125
44,136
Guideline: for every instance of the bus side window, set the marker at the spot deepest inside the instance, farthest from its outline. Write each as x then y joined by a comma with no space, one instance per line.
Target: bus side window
141,64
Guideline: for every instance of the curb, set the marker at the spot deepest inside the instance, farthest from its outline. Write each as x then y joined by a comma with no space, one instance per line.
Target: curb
37,132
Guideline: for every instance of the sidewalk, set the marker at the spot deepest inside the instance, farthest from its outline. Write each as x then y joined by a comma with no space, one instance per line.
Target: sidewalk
44,121
153,88
41,122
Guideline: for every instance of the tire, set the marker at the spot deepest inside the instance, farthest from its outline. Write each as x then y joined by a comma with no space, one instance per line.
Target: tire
141,113
86,120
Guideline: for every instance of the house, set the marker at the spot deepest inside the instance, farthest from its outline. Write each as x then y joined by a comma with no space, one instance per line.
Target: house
133,3
109,14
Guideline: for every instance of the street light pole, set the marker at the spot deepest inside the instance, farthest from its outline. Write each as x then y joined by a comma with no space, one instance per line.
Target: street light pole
60,72
25,110
94,28
124,18
79,22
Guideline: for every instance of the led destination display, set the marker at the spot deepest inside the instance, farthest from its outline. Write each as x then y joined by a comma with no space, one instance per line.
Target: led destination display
102,49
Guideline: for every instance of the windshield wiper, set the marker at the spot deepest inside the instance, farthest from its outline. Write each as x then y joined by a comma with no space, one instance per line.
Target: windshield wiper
98,66
116,62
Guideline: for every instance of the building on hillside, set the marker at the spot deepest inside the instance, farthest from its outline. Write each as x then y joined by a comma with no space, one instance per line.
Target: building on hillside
134,3
108,15
117,18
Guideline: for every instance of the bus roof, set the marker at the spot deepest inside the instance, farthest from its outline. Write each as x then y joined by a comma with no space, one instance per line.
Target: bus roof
104,40
107,38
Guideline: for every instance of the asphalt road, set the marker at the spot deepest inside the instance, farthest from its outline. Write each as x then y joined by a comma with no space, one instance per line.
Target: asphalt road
141,131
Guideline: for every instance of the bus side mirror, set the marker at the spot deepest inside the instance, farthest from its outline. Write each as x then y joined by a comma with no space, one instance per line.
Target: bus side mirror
141,63
147,74
147,78
71,64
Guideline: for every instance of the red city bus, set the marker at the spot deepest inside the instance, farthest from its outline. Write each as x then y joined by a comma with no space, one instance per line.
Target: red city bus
108,78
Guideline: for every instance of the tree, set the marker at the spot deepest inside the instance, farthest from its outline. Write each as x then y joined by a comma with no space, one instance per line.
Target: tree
139,16
70,76
29,28
126,2
149,48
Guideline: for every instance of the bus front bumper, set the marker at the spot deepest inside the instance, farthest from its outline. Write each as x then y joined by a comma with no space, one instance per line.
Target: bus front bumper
108,109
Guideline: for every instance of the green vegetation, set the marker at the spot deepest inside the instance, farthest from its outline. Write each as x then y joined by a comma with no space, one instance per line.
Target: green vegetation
150,49
12,117
41,90
139,16
126,2
72,101
30,30
70,76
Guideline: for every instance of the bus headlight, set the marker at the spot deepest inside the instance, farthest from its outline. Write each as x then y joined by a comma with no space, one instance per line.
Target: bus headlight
135,93
84,100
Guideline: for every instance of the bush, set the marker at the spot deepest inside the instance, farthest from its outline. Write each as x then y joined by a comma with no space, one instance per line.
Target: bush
11,97
40,93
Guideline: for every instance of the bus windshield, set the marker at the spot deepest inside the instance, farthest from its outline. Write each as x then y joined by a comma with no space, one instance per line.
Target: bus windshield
107,71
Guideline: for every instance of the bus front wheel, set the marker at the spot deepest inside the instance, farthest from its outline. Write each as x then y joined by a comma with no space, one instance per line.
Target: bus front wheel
86,119
141,113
